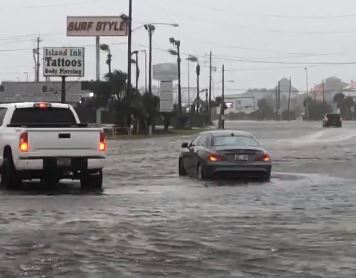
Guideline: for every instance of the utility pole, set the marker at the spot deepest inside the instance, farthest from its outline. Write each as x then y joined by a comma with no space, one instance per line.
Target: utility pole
209,102
179,83
323,88
150,29
188,83
307,112
63,92
222,107
97,50
108,61
36,58
198,90
129,45
206,100
290,91
137,70
145,69
276,102
279,100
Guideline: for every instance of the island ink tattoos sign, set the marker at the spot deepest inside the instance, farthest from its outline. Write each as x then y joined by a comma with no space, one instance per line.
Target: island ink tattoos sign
63,61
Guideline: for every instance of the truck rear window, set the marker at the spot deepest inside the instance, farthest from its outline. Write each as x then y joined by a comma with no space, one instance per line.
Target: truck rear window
40,116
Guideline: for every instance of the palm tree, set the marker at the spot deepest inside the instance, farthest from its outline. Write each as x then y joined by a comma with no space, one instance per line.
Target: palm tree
338,99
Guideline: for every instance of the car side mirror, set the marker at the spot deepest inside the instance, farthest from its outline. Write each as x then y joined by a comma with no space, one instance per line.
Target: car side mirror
185,145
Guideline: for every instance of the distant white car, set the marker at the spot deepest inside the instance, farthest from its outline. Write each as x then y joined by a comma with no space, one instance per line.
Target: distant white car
47,141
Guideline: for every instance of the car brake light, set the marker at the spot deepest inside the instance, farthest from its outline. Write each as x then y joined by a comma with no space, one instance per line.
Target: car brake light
102,143
214,157
263,157
23,143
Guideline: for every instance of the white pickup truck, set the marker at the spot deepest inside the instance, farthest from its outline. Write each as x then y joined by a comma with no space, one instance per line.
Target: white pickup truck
46,141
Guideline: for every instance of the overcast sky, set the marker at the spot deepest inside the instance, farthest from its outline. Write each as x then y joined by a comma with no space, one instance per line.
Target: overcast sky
259,41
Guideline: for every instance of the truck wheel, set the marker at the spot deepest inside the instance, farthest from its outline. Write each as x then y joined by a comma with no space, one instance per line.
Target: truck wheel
92,181
9,177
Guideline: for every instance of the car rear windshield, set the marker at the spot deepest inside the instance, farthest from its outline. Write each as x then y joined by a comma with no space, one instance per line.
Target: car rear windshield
43,116
243,141
333,116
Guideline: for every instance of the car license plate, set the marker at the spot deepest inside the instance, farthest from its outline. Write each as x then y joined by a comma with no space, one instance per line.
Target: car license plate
64,162
241,157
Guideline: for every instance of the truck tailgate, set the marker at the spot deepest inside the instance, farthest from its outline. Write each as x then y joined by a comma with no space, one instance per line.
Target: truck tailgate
63,141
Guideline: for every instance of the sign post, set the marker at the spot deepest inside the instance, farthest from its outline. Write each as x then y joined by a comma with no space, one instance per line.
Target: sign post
63,62
63,93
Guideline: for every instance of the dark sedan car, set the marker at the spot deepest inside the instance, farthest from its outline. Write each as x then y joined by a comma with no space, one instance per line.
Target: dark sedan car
225,153
332,119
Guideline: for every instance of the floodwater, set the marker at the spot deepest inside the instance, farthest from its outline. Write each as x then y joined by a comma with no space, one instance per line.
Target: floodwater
148,222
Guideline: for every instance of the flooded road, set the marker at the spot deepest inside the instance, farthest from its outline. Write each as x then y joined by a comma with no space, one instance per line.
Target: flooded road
148,222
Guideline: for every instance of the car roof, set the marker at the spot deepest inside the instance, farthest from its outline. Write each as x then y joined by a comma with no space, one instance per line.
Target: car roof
225,132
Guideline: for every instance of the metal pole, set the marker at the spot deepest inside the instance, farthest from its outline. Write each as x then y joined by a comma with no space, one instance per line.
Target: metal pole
188,84
198,89
129,45
150,61
209,102
38,61
290,90
97,45
145,70
279,99
222,107
276,102
307,94
179,83
206,100
323,91
109,62
137,71
63,93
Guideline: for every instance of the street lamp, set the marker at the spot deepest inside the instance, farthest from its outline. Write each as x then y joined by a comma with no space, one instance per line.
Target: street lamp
106,48
145,51
137,68
150,29
307,93
176,43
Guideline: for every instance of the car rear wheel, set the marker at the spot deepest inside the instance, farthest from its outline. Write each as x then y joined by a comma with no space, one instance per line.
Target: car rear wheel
92,181
181,168
201,172
266,177
9,176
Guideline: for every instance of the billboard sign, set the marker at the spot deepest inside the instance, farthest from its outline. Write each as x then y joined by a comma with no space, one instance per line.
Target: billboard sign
63,61
166,96
96,26
165,72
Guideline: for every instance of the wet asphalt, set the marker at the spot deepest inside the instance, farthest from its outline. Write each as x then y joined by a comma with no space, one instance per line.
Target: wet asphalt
148,222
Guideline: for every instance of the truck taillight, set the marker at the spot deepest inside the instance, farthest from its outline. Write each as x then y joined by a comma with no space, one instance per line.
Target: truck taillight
23,142
102,143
